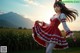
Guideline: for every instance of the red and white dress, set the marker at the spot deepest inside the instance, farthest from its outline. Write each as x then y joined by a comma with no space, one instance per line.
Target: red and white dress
50,32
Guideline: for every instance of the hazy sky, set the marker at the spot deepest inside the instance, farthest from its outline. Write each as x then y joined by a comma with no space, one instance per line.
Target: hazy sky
39,10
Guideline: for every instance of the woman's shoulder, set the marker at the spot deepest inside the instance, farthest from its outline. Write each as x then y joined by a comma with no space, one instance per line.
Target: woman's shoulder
62,15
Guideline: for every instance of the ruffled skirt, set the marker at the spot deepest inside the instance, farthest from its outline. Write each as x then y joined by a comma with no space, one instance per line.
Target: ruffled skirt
43,35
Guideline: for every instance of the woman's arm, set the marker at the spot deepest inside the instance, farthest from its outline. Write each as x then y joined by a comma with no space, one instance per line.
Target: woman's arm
67,30
69,33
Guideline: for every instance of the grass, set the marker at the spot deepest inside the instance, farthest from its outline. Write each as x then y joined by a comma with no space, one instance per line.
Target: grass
69,50
19,39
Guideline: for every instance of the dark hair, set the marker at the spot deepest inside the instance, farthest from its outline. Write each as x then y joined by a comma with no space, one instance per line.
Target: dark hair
70,14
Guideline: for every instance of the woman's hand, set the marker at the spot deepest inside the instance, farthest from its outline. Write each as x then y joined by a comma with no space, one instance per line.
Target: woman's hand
38,21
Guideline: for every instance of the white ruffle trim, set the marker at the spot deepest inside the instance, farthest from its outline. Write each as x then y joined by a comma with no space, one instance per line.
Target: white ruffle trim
56,42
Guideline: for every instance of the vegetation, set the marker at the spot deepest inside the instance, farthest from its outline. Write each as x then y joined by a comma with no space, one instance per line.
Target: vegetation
21,39
69,50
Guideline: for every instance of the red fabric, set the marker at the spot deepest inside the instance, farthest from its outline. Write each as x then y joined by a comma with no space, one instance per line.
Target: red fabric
51,32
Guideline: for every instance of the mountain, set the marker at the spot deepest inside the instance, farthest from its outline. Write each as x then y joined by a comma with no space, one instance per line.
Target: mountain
14,20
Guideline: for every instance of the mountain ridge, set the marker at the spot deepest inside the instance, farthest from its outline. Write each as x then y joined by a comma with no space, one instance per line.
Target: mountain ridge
15,20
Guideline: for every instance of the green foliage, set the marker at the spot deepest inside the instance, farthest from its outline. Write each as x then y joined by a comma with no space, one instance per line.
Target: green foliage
17,39
72,43
21,39
69,50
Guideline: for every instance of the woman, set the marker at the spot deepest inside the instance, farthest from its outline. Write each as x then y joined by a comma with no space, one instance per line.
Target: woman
49,35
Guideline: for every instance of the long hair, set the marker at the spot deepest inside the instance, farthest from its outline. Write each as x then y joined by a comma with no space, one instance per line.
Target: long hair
70,14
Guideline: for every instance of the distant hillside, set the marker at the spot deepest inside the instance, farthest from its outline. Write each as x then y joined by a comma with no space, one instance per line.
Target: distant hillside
14,20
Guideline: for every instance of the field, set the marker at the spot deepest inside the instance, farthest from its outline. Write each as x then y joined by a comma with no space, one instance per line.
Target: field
70,50
21,41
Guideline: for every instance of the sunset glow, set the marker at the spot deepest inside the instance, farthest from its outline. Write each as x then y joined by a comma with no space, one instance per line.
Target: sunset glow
41,10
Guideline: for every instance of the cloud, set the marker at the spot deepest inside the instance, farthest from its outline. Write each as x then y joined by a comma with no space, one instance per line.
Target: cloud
33,2
1,12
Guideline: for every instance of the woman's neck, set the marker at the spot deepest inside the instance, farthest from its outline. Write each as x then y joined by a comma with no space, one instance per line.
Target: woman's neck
58,13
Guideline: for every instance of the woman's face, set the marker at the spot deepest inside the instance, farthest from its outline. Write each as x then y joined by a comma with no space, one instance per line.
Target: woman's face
57,9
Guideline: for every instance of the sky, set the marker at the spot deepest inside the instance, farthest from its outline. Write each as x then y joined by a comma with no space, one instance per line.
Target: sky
39,10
